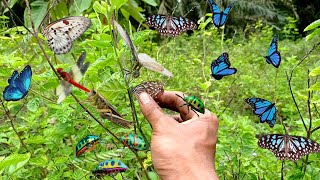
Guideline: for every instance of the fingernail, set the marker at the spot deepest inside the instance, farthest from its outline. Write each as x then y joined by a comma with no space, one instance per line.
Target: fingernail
144,98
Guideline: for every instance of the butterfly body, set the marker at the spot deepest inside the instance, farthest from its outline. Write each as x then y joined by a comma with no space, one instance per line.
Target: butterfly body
61,33
134,141
110,166
266,110
19,84
273,56
170,25
221,67
288,147
72,78
86,144
219,17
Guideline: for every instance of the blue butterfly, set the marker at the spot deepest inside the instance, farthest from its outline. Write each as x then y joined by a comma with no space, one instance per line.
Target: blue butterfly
19,84
170,25
264,109
288,147
219,17
221,67
274,56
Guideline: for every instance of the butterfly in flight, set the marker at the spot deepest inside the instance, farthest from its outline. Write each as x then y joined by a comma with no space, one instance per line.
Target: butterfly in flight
219,17
170,25
274,56
61,33
264,109
19,84
72,78
221,67
288,147
141,59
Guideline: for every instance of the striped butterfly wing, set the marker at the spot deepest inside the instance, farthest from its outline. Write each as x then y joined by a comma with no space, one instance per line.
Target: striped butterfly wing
288,147
61,33
170,25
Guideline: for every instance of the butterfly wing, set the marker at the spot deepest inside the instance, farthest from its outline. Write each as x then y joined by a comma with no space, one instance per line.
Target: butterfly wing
153,65
274,56
169,25
221,67
219,17
264,109
61,33
275,143
19,85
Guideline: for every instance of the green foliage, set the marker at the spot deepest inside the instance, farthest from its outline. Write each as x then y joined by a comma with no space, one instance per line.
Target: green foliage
50,131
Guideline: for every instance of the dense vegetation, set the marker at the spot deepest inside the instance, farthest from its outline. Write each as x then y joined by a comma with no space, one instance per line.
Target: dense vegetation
38,136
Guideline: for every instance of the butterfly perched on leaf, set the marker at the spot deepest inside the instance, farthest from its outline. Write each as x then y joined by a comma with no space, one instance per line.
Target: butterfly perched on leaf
61,33
266,110
288,147
19,84
221,67
274,56
219,17
72,78
170,25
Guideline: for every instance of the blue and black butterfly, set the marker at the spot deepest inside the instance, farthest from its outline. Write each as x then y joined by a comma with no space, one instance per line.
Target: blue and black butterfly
169,25
19,84
219,17
274,56
221,67
288,147
264,109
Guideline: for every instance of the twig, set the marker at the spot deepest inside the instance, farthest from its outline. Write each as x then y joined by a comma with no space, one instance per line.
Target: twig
7,112
309,107
282,170
295,102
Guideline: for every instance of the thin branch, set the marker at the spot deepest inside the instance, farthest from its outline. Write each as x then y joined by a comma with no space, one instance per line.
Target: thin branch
7,112
309,107
295,102
315,129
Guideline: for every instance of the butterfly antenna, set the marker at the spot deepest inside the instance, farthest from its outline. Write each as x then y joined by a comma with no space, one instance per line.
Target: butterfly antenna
16,17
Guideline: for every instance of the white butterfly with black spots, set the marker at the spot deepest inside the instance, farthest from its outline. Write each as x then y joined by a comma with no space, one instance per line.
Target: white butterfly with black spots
61,33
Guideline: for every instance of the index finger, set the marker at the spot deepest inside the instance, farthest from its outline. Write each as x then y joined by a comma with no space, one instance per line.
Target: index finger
170,100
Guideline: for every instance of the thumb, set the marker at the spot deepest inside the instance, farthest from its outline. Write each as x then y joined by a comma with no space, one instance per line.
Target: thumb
150,109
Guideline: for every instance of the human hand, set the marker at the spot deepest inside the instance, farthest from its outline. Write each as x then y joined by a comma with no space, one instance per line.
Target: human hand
183,150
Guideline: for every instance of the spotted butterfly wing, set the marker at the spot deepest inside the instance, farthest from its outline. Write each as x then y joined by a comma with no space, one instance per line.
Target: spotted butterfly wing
153,88
264,109
221,67
61,33
170,25
288,147
219,17
19,84
274,56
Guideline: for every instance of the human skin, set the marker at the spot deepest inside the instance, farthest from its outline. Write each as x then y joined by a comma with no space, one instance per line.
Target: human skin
183,146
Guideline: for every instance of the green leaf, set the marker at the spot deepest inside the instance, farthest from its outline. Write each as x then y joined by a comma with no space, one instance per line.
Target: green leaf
116,4
38,11
315,87
315,71
313,25
314,33
36,140
15,162
99,8
153,175
150,2
79,6
33,105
